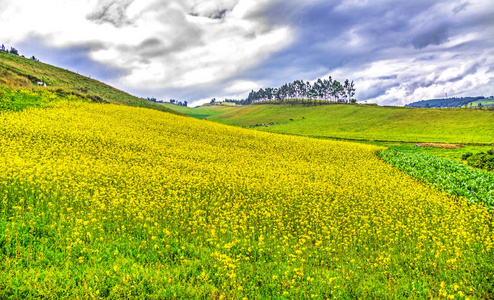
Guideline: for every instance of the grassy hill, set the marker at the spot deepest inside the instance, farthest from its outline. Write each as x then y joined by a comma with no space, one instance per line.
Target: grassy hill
114,202
367,122
18,72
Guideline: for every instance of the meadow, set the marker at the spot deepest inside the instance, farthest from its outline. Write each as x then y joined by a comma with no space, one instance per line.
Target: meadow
111,201
368,123
202,112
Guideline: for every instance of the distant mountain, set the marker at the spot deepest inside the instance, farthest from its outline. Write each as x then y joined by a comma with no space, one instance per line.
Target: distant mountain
445,102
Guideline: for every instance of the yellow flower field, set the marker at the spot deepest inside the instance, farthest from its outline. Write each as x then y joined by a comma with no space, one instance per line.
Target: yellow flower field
106,201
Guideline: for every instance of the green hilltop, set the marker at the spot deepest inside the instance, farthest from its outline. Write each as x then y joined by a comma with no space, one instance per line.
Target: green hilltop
18,73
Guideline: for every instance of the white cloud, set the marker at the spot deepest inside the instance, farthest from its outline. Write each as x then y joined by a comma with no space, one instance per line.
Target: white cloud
240,86
420,76
223,57
160,44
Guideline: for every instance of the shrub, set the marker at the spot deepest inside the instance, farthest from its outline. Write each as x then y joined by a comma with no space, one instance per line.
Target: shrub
14,51
482,160
466,155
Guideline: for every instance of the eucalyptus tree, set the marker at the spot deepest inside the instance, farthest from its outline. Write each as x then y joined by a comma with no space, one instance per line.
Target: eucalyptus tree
320,90
268,93
290,91
308,89
336,89
328,88
302,89
349,89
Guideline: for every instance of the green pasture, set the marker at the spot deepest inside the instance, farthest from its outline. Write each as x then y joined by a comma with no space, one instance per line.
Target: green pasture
202,112
368,123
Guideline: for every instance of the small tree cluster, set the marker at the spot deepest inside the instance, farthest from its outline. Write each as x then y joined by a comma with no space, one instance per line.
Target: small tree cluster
321,89
3,49
214,101
180,103
235,101
15,52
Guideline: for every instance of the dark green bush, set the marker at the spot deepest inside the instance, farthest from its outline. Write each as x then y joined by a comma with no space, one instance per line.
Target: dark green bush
482,160
466,155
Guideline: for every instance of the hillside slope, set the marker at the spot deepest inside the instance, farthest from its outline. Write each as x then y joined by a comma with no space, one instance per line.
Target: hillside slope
119,202
19,72
368,122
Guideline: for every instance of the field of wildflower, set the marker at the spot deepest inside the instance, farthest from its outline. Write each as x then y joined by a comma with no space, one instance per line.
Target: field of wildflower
107,202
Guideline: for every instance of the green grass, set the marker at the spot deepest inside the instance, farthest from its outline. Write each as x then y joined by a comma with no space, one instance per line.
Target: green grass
368,122
202,112
221,104
16,99
20,72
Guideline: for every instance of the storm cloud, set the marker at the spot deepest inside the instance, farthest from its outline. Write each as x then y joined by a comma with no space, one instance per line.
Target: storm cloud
396,52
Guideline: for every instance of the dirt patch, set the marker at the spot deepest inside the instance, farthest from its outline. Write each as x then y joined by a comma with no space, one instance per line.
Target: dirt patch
437,145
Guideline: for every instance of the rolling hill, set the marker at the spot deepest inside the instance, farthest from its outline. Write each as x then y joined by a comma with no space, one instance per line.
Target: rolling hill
202,112
117,202
371,123
22,73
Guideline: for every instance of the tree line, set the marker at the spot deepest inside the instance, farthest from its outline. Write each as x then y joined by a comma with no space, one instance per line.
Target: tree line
180,103
322,89
172,101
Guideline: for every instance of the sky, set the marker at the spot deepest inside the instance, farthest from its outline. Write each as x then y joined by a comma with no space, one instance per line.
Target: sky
396,52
